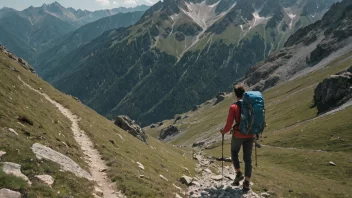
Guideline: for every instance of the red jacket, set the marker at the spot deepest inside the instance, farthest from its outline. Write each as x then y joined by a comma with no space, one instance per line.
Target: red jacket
234,114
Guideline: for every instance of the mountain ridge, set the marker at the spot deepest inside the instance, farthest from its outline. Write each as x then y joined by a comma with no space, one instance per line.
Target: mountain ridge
166,51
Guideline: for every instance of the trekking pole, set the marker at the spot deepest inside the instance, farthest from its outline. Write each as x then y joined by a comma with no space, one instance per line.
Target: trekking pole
255,150
222,157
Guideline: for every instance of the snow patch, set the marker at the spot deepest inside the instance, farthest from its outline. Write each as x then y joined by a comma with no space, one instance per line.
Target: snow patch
258,20
291,15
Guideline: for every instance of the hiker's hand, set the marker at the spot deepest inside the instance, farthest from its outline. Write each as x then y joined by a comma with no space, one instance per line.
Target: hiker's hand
221,130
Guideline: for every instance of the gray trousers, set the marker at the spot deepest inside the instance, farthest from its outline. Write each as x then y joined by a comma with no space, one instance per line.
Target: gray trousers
236,144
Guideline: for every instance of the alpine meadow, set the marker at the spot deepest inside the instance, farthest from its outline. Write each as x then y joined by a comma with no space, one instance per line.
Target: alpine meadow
176,98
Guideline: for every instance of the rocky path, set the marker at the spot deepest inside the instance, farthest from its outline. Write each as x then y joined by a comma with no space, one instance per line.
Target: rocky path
105,188
209,184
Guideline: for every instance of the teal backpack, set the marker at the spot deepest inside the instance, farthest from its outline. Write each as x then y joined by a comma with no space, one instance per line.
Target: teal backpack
252,113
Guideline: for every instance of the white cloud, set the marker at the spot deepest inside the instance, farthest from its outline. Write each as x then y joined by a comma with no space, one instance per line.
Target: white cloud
103,2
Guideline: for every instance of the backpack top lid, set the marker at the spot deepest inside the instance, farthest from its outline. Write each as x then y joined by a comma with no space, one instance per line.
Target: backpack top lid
252,97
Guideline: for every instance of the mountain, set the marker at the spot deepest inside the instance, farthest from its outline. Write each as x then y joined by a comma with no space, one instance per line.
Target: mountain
310,48
82,36
178,55
37,29
26,35
308,107
41,131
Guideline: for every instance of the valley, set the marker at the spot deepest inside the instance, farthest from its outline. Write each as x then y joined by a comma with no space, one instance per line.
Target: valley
129,102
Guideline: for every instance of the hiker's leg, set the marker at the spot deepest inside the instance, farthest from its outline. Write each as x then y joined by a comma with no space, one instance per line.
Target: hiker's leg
247,157
235,149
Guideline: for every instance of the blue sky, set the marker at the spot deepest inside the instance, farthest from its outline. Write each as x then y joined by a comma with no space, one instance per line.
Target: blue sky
82,4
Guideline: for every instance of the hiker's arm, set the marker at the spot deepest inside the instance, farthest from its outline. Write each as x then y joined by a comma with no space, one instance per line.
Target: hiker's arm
229,122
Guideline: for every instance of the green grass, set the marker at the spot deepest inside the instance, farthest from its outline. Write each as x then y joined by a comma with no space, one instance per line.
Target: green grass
52,128
287,172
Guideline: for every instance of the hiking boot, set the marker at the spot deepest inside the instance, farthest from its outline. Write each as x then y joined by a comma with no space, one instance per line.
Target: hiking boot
246,186
239,177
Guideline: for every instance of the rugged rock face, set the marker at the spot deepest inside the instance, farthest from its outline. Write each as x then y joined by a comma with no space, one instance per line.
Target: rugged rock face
168,132
333,91
125,123
305,48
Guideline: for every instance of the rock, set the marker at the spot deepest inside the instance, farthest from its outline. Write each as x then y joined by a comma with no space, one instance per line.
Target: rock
350,69
98,192
47,179
271,81
265,194
198,143
112,141
195,108
15,170
230,177
160,124
2,153
186,116
178,118
13,131
102,170
152,126
164,178
186,180
125,123
219,186
6,193
178,188
332,163
177,195
195,183
65,162
208,171
220,97
216,177
168,132
140,165
333,91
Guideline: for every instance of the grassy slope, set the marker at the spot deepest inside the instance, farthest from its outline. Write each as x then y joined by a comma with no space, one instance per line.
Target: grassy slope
304,171
49,123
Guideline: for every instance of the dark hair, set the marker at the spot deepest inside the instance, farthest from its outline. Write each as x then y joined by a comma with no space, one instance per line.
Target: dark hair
239,91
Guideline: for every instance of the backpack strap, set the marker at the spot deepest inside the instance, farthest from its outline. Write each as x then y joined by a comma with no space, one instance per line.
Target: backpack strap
239,105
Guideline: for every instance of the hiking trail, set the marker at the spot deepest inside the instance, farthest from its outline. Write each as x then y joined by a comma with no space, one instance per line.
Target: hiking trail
209,184
105,187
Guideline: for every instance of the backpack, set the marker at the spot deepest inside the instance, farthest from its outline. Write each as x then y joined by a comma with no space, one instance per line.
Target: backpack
252,113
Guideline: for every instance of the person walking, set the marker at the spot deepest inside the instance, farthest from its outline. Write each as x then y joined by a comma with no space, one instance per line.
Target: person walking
238,140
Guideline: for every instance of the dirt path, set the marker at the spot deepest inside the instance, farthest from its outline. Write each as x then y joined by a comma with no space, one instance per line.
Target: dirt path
209,184
105,188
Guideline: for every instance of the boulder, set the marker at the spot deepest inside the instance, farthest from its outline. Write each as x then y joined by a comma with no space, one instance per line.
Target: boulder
46,179
15,170
152,126
333,91
65,162
178,118
186,180
125,123
198,143
220,97
9,193
168,132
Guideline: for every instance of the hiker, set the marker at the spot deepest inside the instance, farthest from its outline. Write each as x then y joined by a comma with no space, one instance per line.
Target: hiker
239,139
